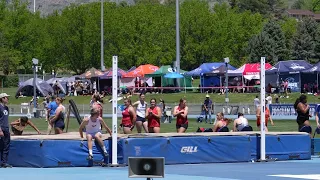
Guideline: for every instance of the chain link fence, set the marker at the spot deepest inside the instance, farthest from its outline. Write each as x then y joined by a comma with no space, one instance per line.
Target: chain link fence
194,108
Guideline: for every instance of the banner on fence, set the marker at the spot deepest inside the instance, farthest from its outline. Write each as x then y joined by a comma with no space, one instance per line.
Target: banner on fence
288,109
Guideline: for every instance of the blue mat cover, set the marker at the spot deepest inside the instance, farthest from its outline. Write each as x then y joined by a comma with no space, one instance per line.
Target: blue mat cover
316,146
283,147
184,150
176,150
53,153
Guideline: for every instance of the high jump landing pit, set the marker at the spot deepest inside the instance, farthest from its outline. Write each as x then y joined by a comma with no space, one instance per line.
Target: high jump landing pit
67,150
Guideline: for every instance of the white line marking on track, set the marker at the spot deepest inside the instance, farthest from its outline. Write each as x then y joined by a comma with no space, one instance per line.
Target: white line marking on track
305,176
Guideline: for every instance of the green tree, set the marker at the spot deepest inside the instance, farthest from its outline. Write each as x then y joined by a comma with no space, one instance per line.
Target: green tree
317,45
231,32
275,33
303,44
196,29
312,5
261,45
265,7
289,28
9,60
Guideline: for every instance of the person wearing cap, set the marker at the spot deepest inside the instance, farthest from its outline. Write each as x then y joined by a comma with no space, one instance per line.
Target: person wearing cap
4,130
208,108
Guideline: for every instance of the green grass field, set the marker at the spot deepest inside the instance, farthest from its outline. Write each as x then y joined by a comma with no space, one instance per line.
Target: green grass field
192,97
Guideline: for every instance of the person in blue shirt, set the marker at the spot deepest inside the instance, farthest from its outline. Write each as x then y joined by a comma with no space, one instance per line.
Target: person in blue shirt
208,107
52,107
4,130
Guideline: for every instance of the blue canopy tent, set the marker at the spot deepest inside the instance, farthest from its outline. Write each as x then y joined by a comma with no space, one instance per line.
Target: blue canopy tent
314,69
43,88
207,81
312,74
61,83
287,70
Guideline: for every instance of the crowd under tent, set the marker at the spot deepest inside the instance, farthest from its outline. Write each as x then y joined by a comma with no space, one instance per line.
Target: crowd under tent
311,75
289,70
105,80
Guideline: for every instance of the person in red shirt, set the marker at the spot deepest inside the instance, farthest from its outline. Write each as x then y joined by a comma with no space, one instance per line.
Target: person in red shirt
128,117
181,112
153,114
267,117
223,123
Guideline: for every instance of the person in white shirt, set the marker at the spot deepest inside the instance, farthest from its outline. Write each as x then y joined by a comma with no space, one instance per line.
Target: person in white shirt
269,99
92,126
256,101
141,107
240,123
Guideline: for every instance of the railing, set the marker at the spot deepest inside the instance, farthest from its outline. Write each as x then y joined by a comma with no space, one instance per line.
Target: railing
231,109
194,108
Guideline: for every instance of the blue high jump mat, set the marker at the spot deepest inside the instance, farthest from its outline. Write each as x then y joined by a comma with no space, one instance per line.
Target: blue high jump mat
67,150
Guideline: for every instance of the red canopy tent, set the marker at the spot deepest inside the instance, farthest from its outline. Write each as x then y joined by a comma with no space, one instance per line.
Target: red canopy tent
250,71
141,71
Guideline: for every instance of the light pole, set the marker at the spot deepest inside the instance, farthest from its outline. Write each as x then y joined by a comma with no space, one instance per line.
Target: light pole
35,63
102,41
226,61
34,6
178,39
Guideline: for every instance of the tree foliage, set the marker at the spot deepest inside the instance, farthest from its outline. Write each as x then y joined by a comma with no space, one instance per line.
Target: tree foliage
243,30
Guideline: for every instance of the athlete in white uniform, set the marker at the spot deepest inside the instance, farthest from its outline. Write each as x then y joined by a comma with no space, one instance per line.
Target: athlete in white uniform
93,131
140,107
240,123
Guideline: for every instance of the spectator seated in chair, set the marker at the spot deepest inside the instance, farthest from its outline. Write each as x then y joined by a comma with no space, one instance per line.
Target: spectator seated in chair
220,126
241,124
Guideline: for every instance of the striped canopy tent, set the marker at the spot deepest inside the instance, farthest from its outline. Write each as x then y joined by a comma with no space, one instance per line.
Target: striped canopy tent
108,73
93,72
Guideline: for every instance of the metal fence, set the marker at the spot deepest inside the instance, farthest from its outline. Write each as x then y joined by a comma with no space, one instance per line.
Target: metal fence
45,77
194,108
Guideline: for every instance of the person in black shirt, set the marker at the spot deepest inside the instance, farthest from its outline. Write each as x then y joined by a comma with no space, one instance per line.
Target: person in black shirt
4,130
303,108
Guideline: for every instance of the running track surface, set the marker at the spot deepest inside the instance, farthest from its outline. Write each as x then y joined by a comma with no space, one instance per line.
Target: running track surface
286,170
